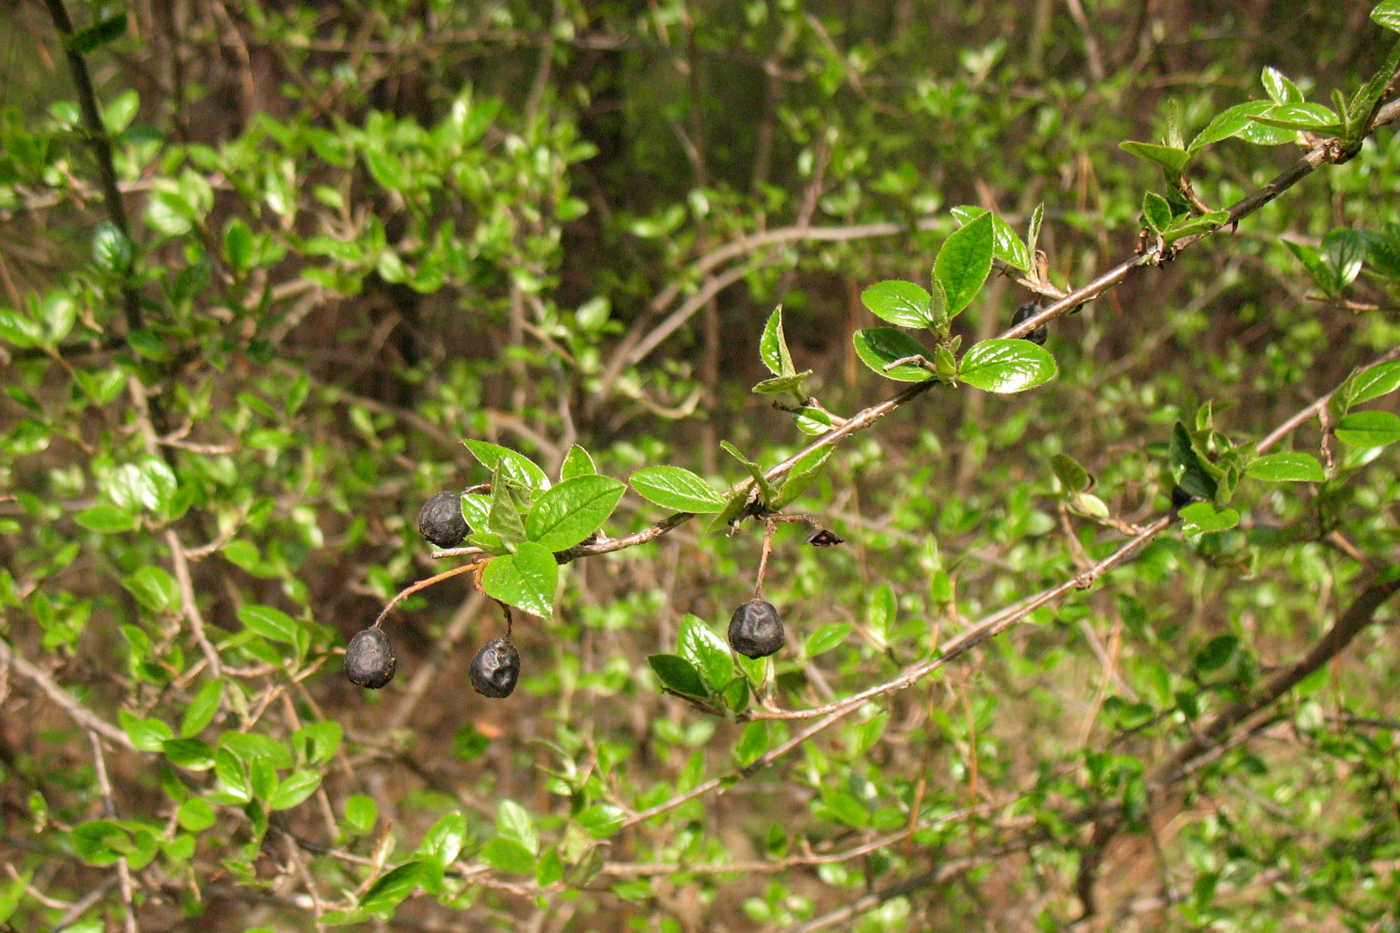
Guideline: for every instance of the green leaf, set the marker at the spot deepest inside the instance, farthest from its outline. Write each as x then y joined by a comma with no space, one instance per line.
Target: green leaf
676,488
601,820
1306,117
573,510
901,303
877,347
1232,121
100,842
238,245
515,466
190,754
146,734
1006,245
112,252
155,589
1343,251
706,652
1188,471
677,675
293,789
391,888
525,579
513,822
1189,225
1372,382
1216,653
1316,268
826,638
1006,366
781,385
1293,467
803,473
766,490
1156,211
1368,429
318,742
503,519
202,709
753,742
1071,475
1387,14
360,814
1278,87
147,484
20,331
268,622
1170,158
577,462
509,856
773,348
252,746
1202,517
86,41
195,815
963,263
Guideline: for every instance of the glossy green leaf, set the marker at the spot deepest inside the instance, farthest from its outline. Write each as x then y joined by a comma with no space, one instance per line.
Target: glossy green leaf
1201,517
803,473
707,652
573,510
578,462
1291,467
826,638
1156,211
1387,14
753,742
1170,158
963,263
509,856
1371,383
878,347
154,589
195,815
269,623
1006,366
190,754
1188,470
391,888
677,674
515,466
147,735
1007,246
525,579
1233,121
238,245
202,709
1278,87
100,842
360,814
1368,429
318,742
513,822
601,820
773,348
676,488
901,303
1071,475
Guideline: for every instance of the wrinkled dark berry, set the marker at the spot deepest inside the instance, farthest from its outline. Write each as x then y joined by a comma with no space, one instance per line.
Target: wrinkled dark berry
1181,497
1024,313
369,659
495,669
824,537
755,630
441,521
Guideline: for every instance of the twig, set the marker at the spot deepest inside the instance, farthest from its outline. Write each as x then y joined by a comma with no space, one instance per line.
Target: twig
63,699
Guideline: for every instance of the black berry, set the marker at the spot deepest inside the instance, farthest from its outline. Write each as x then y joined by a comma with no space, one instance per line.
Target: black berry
495,669
755,630
441,521
369,659
1024,313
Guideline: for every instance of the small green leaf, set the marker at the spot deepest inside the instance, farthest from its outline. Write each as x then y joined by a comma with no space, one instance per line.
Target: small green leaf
753,742
773,348
86,41
1006,245
1170,158
360,814
1278,87
573,510
767,492
577,462
202,709
443,842
826,638
155,589
1156,211
146,735
1216,653
1071,475
1387,14
1305,117
269,623
676,488
1368,429
677,675
525,579
391,888
509,856
1202,517
195,815
1343,252
1372,382
877,347
190,754
513,822
504,518
803,473
963,262
707,653
112,252
781,385
1188,471
318,742
1006,366
1233,121
601,820
901,303
515,466
100,842
238,245
1293,467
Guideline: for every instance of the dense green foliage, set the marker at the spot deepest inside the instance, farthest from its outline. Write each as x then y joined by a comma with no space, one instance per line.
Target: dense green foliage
673,290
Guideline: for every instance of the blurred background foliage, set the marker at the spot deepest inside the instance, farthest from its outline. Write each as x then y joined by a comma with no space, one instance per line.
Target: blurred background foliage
361,232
